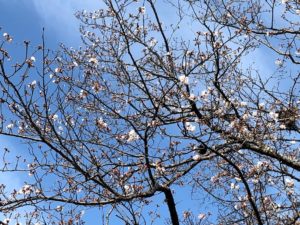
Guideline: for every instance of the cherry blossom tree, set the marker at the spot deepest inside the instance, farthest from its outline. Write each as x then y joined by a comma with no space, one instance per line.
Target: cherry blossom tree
164,96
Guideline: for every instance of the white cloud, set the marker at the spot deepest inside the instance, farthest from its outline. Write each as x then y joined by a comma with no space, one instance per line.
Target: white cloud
58,15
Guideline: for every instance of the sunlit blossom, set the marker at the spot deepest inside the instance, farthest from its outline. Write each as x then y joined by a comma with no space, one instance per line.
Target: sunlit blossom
201,216
93,60
282,126
196,157
10,126
101,124
190,127
32,85
38,191
83,94
132,136
234,186
246,116
183,79
127,189
7,37
160,169
142,9
279,62
54,117
6,221
273,115
237,207
58,70
243,104
26,190
289,183
152,42
254,113
59,208
204,94
261,105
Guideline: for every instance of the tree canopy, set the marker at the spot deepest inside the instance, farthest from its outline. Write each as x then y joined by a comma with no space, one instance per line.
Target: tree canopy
204,99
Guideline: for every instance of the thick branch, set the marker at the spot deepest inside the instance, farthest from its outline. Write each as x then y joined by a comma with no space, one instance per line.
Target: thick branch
171,205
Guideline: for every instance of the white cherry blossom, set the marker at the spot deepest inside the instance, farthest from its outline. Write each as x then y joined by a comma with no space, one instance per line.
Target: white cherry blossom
183,79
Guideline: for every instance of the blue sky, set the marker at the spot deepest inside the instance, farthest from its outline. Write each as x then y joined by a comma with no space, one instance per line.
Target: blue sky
24,20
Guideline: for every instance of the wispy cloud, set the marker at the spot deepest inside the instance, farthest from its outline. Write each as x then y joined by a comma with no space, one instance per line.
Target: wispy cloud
58,16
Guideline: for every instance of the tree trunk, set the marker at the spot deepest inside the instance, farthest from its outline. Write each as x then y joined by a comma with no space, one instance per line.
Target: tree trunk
171,205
